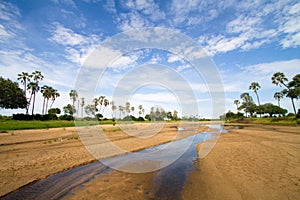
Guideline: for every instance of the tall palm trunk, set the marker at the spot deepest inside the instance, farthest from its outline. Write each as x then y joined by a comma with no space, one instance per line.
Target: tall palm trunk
43,110
292,99
46,110
33,103
258,103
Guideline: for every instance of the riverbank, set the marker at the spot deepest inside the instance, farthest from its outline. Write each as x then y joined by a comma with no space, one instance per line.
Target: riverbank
30,155
255,162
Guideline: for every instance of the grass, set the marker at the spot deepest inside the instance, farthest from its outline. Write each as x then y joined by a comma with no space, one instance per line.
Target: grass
6,125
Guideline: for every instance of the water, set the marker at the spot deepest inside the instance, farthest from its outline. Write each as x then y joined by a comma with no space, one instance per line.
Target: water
167,183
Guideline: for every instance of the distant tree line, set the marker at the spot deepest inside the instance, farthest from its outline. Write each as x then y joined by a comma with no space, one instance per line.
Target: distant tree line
291,89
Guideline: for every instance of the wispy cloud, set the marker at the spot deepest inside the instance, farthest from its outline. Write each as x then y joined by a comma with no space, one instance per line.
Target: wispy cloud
77,46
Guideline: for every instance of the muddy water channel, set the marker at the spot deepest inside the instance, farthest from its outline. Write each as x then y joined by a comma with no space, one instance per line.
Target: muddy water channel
100,180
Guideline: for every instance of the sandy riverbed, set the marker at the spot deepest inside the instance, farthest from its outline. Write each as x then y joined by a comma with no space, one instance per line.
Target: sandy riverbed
256,162
30,155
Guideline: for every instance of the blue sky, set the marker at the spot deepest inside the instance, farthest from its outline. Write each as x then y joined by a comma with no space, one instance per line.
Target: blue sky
247,41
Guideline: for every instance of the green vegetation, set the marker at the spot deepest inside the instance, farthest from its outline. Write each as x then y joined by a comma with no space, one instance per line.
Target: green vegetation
11,96
269,113
285,121
35,124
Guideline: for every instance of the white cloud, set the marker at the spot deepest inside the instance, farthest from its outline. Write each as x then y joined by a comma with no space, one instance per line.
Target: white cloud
65,36
77,46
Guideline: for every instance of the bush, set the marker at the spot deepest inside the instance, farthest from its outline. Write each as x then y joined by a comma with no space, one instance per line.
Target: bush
66,117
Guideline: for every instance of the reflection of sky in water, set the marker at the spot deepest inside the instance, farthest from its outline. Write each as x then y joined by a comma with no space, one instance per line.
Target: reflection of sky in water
163,154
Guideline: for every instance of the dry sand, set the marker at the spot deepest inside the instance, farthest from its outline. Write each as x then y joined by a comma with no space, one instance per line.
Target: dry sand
256,162
30,155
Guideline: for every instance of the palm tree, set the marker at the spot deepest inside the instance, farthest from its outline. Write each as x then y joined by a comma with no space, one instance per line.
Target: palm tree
279,79
34,87
82,104
54,95
47,93
278,96
73,95
132,110
237,103
255,86
25,77
127,108
113,108
121,109
37,76
100,101
140,108
105,103
247,104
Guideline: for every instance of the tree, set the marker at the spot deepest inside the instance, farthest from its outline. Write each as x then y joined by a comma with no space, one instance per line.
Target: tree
69,109
272,109
25,78
278,96
34,86
73,96
54,95
291,88
47,94
279,78
127,107
105,103
121,109
247,104
175,115
132,110
82,104
255,87
54,111
140,109
237,103
11,96
113,108
90,110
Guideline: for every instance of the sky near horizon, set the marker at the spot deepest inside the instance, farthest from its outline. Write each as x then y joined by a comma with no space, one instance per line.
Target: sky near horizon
244,41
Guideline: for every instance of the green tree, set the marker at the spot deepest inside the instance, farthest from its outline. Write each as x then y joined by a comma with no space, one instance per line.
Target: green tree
127,108
73,96
255,87
278,96
54,95
69,109
291,88
11,96
105,103
82,104
47,94
34,87
90,110
25,78
271,109
247,104
237,103
54,111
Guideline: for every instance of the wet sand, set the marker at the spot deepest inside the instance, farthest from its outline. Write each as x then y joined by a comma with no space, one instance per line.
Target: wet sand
256,162
31,155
